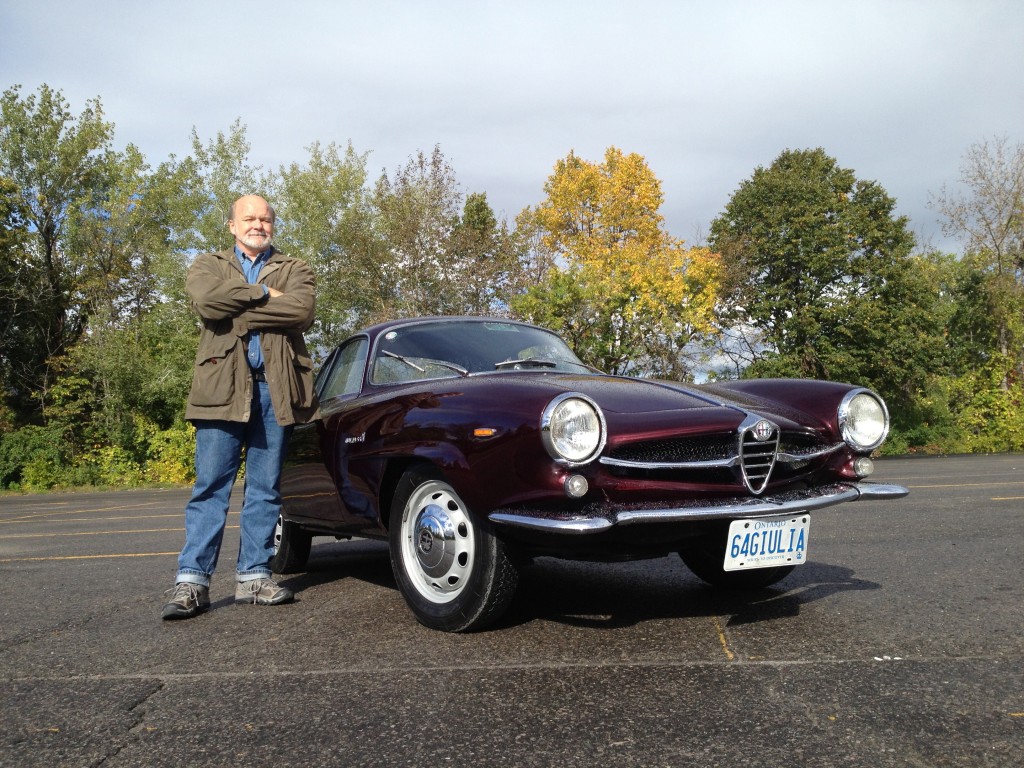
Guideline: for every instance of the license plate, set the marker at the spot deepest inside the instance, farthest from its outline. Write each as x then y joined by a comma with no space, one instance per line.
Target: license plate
766,542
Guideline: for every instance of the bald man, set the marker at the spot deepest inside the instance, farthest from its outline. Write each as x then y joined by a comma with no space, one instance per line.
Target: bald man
252,382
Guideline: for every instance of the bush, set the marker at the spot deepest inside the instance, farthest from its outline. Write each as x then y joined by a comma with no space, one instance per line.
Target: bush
31,457
171,455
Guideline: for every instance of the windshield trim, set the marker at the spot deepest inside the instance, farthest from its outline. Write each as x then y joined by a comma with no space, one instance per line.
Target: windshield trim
376,352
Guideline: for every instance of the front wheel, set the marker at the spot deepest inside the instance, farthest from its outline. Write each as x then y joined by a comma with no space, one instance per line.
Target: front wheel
706,556
453,572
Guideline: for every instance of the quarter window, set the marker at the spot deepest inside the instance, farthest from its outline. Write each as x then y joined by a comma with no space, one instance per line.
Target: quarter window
346,375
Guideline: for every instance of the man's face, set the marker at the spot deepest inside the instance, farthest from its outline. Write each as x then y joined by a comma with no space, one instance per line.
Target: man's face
252,225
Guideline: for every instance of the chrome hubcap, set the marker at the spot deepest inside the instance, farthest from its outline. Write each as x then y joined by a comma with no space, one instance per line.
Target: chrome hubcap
437,542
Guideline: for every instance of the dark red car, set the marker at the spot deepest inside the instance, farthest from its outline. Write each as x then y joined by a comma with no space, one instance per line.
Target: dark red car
471,444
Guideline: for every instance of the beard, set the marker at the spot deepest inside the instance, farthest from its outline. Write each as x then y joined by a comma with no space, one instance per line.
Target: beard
257,242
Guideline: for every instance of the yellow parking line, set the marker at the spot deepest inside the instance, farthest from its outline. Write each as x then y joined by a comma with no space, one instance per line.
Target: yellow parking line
723,639
965,485
99,519
93,532
77,510
178,515
85,557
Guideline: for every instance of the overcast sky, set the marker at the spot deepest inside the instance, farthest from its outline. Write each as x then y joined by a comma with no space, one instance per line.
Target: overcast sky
705,91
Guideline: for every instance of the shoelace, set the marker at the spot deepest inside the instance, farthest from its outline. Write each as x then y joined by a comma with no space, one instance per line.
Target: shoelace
254,587
184,591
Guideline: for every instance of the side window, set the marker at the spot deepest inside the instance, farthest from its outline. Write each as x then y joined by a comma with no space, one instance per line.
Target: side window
346,375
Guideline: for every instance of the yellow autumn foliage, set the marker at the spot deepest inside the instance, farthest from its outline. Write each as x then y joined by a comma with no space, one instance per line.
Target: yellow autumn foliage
602,221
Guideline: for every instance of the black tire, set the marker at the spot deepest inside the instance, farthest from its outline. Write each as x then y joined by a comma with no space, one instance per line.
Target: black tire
706,556
291,547
454,573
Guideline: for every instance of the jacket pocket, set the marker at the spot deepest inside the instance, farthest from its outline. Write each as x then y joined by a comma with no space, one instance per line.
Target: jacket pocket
300,376
214,381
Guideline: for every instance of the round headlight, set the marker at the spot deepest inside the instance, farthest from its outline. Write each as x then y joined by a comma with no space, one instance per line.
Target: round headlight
572,428
863,420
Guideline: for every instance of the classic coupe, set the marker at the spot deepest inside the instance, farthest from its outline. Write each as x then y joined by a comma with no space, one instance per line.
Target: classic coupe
473,444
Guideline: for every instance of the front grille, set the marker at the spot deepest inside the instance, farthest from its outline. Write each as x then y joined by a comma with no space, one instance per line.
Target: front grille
727,459
679,450
757,456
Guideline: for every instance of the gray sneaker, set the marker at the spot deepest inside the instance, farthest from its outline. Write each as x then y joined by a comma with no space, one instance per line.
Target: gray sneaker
262,592
185,600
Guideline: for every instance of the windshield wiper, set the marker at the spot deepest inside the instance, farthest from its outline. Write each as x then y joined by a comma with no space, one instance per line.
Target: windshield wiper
538,361
405,360
542,362
439,363
451,367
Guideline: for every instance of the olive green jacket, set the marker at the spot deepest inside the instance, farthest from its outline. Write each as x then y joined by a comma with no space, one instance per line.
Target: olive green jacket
229,307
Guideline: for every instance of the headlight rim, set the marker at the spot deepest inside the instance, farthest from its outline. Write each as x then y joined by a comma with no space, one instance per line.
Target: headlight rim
545,429
843,415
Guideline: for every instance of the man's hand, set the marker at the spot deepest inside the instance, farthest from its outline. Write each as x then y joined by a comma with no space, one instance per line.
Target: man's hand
273,292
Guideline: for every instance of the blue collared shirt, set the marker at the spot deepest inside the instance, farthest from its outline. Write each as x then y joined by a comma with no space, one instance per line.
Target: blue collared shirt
251,269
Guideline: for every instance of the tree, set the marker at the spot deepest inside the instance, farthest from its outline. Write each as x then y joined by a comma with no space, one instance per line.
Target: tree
989,219
417,211
19,281
325,217
56,162
434,251
211,179
487,270
818,265
127,258
627,295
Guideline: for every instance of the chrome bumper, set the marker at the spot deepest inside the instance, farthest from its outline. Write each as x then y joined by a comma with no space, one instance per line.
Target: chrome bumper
606,516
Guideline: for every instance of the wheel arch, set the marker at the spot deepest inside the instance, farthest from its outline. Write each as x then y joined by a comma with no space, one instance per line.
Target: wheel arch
442,456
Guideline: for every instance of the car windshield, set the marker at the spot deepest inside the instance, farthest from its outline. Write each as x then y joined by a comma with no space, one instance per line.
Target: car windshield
440,349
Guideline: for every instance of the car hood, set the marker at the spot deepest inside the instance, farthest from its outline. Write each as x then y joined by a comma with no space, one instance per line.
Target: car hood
645,404
626,395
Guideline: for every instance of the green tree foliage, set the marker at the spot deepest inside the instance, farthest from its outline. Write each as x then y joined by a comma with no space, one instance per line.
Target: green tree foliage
488,260
985,342
819,269
988,217
325,217
211,179
435,252
57,164
626,294
19,282
811,274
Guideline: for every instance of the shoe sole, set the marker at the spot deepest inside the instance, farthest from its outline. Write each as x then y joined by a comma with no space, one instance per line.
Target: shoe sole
183,614
249,601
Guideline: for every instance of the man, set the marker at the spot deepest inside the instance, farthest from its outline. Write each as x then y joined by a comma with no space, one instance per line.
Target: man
253,380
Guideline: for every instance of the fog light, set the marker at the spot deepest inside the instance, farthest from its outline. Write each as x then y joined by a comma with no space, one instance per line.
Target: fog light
863,466
576,486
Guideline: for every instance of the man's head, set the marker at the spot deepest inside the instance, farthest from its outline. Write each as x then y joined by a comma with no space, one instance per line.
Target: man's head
251,221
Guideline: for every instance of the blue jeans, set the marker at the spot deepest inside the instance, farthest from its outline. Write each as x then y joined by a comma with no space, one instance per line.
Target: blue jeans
218,455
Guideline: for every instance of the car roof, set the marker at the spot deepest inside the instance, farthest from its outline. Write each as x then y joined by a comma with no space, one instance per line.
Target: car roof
375,330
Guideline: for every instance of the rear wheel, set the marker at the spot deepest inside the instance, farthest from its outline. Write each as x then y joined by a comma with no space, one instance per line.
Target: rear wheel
705,557
453,572
291,547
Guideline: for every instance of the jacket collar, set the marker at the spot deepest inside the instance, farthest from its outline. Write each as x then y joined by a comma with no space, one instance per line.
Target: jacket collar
229,256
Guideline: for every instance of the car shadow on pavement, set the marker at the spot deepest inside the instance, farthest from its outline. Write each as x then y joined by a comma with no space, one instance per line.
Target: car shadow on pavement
624,594
602,595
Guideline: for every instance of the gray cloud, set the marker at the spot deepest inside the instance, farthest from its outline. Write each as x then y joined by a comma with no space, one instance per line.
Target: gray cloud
706,91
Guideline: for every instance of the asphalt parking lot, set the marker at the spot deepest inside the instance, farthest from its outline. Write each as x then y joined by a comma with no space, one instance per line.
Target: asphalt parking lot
899,643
